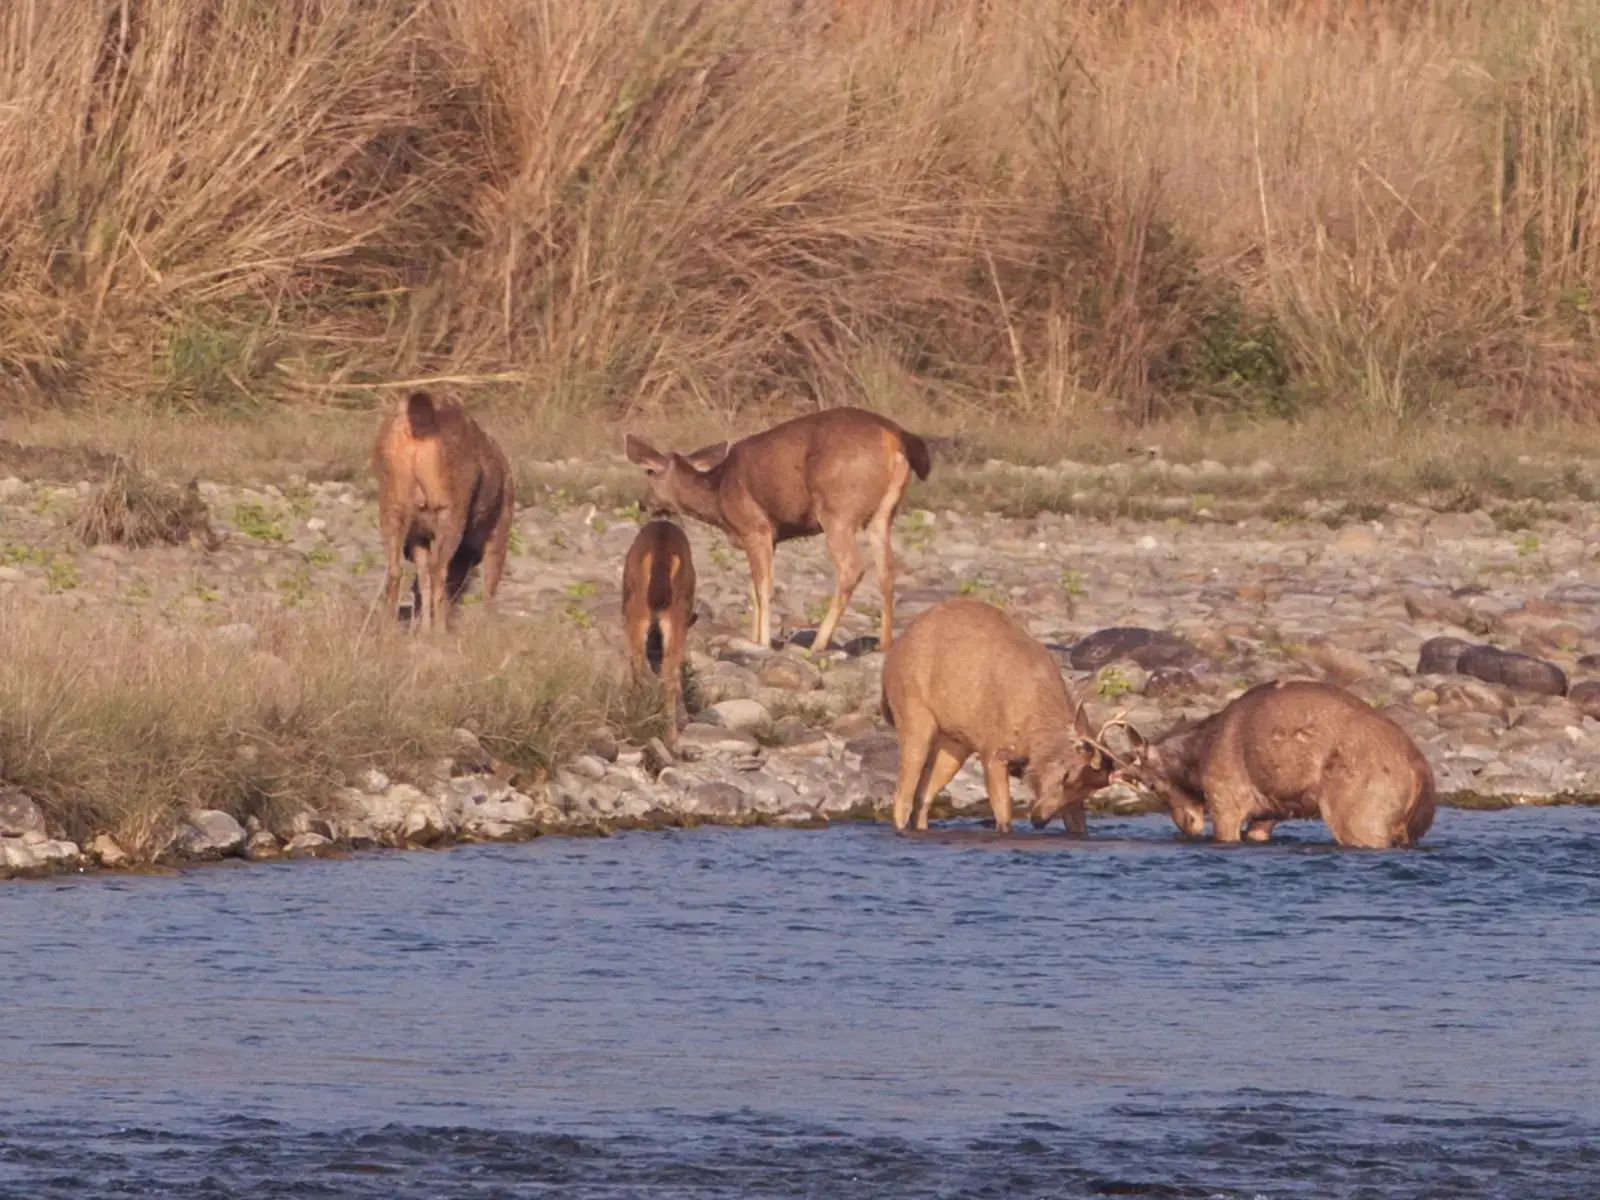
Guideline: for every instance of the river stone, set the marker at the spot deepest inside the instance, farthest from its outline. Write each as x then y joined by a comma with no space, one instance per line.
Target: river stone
18,814
1586,696
308,845
386,812
373,782
1340,664
1424,605
212,833
262,845
698,738
715,799
1469,695
738,715
790,674
16,856
1355,540
1149,648
1170,683
727,681
103,849
1439,655
1518,671
424,824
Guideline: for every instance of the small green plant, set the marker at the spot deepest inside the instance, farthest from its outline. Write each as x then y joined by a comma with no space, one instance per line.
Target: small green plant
295,585
253,520
321,556
1072,583
575,610
982,589
62,574
138,592
916,529
1527,544
516,545
1112,685
720,556
366,561
630,512
558,540
300,500
204,591
14,555
580,589
598,524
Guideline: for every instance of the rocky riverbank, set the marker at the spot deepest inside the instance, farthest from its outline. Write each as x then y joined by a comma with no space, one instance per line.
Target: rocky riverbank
1478,632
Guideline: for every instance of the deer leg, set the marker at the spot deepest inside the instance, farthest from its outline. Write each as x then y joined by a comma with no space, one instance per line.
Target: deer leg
442,561
673,637
998,778
916,739
1259,831
758,549
494,555
1227,824
848,568
948,755
878,538
422,558
394,550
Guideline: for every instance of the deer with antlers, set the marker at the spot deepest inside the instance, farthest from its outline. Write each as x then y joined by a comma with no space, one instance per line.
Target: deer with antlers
966,679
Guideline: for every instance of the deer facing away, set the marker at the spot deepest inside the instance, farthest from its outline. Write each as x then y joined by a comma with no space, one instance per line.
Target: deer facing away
1290,749
966,679
445,502
658,609
834,472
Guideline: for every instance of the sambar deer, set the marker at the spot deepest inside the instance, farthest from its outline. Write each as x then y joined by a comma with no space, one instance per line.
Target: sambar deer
445,502
834,472
1285,750
658,609
965,678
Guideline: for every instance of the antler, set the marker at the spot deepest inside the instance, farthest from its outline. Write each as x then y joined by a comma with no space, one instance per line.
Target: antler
1098,740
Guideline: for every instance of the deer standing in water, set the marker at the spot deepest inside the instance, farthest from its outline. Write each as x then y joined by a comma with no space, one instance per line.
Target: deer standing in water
967,679
1284,750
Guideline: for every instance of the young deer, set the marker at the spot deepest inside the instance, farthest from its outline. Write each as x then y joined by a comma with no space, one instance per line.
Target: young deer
658,609
834,472
1285,750
964,679
444,502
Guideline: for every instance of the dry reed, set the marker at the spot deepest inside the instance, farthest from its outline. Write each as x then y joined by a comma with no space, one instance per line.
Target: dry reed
1039,207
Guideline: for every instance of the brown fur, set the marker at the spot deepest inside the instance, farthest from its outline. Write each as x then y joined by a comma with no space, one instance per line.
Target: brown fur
834,472
1291,749
658,609
964,679
445,502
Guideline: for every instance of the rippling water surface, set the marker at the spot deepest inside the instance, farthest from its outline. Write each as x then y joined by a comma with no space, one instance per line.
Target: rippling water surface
847,1013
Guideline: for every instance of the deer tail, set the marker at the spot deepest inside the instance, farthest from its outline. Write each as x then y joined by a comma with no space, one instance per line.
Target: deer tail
421,415
916,454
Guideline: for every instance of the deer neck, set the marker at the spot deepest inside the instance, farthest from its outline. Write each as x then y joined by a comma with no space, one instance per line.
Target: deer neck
699,494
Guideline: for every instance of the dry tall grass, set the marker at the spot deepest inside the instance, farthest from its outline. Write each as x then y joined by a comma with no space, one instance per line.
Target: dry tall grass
119,726
1041,206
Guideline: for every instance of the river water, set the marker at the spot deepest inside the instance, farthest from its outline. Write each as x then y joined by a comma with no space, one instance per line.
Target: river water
840,1013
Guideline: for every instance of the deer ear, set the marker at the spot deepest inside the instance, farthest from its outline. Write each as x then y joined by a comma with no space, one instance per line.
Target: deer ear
1080,722
707,458
1098,759
1137,740
641,452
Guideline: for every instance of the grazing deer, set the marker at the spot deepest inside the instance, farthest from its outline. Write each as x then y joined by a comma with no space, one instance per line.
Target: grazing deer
965,678
658,608
1284,750
444,502
834,472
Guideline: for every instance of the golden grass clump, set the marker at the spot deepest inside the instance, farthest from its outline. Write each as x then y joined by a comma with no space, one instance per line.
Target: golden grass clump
132,509
1038,207
118,725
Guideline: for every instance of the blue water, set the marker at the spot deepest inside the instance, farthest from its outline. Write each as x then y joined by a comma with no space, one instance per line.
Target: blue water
840,1013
